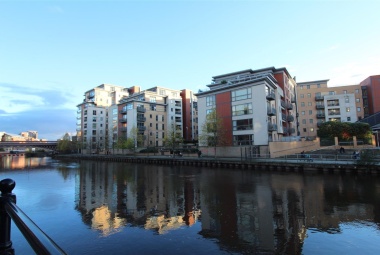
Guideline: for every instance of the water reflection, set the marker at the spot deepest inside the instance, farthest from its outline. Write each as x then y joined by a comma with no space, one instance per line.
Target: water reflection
243,212
247,212
113,195
21,162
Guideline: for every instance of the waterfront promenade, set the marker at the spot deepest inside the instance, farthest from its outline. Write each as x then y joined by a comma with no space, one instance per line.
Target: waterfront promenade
337,163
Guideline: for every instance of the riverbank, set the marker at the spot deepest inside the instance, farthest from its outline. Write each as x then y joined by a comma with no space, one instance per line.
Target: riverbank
297,164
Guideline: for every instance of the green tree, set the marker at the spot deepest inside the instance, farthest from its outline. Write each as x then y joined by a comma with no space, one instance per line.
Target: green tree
213,131
344,130
135,138
173,137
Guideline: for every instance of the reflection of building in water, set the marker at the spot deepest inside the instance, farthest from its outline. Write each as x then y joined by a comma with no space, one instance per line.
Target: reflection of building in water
109,198
21,162
254,218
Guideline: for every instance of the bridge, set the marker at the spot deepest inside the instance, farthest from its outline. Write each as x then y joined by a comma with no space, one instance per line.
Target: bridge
49,145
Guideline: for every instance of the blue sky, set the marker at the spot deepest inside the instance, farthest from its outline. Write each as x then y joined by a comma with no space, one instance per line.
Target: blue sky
51,52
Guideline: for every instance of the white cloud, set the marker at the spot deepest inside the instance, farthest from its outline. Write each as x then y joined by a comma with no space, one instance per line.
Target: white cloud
354,72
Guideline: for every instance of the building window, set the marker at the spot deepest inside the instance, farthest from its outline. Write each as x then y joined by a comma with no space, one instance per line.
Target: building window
302,104
302,96
210,101
357,91
310,112
309,103
308,86
156,117
303,113
304,121
241,94
243,140
359,109
85,112
93,132
301,86
348,118
152,99
152,107
347,109
335,111
93,125
93,119
245,124
241,109
94,112
308,95
311,121
304,129
344,91
331,92
318,85
357,100
346,100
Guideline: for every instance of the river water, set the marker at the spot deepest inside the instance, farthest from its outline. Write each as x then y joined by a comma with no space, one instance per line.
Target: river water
90,207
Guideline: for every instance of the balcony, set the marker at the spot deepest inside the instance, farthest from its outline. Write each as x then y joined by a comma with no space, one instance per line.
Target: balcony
140,109
319,124
290,118
123,111
271,96
283,117
141,128
285,130
123,129
291,130
321,115
141,119
319,98
123,120
271,111
283,104
320,106
272,127
178,112
289,106
293,99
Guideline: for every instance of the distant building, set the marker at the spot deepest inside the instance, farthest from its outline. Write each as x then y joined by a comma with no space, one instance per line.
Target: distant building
110,112
7,137
30,135
318,103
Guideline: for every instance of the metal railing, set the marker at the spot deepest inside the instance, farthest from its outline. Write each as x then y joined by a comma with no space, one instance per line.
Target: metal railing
37,239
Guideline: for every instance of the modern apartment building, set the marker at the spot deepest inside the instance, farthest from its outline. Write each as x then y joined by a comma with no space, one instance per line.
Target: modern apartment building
256,106
110,112
371,95
92,115
318,103
155,111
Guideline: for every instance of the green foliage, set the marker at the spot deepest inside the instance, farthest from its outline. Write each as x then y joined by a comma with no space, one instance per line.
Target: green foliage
344,130
67,146
173,137
367,158
213,131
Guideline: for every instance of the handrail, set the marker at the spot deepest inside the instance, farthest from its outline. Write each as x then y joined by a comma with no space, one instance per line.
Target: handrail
37,239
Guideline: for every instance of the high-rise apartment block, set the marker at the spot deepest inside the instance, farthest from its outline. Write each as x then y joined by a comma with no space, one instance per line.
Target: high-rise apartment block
371,95
256,106
109,113
318,103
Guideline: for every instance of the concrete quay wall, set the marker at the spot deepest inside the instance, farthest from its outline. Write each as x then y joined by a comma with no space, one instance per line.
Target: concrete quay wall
254,164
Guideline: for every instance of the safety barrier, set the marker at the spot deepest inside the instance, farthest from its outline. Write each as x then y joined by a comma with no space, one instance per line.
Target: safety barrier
37,239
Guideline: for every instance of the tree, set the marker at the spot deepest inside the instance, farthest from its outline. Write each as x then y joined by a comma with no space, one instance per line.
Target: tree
173,137
213,131
344,130
135,139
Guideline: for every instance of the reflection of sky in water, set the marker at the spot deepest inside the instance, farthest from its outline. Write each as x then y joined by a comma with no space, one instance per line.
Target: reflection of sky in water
350,238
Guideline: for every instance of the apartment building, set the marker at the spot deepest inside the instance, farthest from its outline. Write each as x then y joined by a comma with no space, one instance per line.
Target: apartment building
371,95
155,111
256,106
92,115
318,103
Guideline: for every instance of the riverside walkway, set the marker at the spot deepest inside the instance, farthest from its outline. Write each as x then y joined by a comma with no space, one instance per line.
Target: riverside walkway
314,162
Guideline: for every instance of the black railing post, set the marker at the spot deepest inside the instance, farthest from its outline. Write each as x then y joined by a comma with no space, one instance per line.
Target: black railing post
6,187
